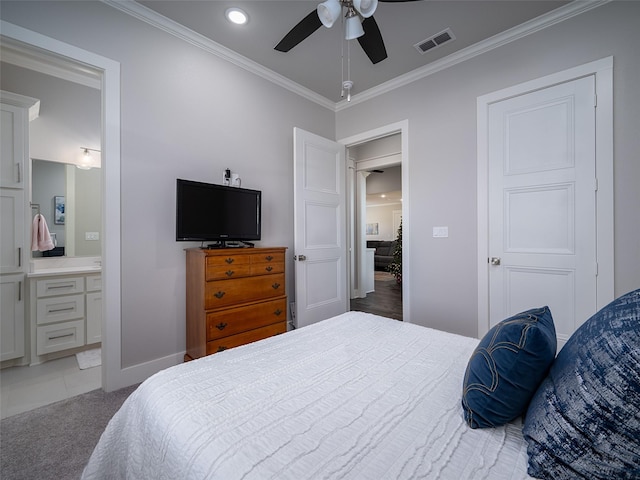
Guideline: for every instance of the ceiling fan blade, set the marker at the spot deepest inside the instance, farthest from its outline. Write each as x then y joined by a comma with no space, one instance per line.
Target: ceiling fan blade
302,30
371,42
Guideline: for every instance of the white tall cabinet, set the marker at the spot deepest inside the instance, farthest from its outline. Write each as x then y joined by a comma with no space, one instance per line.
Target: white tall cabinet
16,112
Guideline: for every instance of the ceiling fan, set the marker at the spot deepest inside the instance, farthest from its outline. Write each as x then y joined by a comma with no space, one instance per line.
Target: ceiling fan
359,23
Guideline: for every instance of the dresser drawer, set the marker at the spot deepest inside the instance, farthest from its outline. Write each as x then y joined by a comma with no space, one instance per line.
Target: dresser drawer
59,286
267,268
228,260
222,344
221,272
61,336
267,257
222,293
59,309
237,320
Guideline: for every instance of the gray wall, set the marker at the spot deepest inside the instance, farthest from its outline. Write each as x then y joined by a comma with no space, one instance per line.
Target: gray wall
441,110
184,114
69,113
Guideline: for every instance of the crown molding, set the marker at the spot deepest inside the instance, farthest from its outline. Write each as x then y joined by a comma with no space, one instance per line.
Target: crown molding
539,23
173,28
48,64
151,17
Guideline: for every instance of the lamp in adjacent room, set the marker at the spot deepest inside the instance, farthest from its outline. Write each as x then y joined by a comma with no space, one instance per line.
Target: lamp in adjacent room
86,161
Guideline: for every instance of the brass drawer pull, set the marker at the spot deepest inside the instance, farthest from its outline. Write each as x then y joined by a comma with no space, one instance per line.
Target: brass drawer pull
269,258
219,295
221,326
229,260
221,349
269,268
277,312
229,273
276,286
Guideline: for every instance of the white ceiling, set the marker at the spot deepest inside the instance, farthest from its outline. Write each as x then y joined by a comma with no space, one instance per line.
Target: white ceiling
316,65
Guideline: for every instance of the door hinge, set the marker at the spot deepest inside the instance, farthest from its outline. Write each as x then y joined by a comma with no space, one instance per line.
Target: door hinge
595,184
595,100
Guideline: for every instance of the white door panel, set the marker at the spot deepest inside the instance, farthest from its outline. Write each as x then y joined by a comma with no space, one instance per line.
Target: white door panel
320,228
542,204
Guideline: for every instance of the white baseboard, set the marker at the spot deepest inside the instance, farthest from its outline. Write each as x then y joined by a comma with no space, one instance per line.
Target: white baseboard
138,373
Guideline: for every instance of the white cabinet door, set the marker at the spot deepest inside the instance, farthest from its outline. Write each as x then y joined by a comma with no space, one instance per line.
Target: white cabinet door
11,317
12,244
12,146
16,112
94,317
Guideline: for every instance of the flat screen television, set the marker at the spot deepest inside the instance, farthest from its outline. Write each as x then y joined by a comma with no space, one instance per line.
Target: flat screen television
207,212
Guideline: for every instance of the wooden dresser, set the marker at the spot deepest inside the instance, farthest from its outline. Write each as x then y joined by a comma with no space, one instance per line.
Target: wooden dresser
234,296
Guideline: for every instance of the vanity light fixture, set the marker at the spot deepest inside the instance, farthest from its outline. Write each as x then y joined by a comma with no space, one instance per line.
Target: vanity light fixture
86,162
237,16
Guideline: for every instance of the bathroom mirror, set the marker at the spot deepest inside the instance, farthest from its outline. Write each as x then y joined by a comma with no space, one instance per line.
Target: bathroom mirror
76,226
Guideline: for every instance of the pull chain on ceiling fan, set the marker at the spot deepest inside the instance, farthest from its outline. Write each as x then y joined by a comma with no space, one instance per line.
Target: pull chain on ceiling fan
358,23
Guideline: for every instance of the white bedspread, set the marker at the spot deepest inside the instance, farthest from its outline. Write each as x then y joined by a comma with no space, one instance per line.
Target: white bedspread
357,396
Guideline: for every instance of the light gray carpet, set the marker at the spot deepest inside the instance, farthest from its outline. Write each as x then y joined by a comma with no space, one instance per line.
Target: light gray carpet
56,441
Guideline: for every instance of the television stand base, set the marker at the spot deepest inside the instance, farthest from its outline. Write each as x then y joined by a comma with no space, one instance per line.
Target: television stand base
228,244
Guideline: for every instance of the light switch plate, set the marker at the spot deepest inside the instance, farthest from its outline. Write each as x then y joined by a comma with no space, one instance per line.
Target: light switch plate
440,232
92,235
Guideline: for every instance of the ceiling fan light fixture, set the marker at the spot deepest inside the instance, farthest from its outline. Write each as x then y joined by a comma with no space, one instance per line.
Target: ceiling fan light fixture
353,26
366,8
329,11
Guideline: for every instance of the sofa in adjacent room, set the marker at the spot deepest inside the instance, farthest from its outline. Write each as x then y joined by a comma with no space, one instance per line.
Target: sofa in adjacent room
384,252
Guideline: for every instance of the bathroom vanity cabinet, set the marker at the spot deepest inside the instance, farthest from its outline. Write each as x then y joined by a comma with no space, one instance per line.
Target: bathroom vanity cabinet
65,312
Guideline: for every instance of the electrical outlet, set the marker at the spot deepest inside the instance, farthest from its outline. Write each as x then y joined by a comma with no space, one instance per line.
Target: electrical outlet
92,235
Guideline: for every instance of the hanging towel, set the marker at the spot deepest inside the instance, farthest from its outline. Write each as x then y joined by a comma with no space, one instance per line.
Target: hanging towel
40,236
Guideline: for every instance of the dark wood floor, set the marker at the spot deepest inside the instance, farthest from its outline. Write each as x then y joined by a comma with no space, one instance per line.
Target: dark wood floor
385,301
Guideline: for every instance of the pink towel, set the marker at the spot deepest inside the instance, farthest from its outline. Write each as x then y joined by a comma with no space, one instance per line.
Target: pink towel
40,236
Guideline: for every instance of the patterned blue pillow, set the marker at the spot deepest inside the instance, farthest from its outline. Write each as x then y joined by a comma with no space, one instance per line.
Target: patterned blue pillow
507,367
584,420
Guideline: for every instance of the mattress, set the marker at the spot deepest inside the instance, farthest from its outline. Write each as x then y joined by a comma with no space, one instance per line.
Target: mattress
357,396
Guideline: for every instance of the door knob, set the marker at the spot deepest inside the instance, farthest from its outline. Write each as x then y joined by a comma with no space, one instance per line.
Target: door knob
301,258
494,260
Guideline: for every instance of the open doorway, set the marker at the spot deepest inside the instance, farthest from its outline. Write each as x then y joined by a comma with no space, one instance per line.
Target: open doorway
62,351
378,163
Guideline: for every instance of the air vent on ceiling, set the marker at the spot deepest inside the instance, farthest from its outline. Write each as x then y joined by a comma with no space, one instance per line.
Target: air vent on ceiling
435,41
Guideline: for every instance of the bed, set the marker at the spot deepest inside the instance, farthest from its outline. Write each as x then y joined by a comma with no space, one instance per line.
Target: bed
357,396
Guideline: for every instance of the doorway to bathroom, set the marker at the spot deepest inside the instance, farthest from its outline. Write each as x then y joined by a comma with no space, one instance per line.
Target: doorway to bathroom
64,180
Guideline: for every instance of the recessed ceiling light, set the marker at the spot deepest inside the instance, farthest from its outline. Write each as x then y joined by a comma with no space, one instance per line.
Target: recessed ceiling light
237,16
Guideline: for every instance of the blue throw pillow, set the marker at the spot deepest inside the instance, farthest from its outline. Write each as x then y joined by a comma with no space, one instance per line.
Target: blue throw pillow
507,367
584,420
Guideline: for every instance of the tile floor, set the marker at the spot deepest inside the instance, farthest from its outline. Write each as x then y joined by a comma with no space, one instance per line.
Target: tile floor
26,388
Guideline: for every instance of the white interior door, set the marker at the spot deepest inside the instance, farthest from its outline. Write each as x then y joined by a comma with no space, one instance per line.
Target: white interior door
542,204
320,238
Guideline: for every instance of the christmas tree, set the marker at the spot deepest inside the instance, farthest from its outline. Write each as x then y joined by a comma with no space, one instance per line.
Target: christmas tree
395,267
